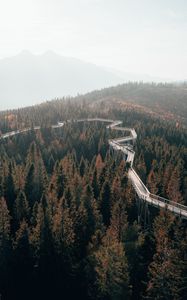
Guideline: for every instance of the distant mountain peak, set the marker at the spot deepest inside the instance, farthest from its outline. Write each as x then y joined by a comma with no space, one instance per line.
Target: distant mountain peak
50,53
37,77
25,52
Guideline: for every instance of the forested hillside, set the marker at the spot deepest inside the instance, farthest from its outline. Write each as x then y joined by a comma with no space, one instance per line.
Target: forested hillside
69,225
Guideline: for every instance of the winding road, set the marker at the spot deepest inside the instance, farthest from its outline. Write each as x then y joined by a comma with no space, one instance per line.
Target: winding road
123,144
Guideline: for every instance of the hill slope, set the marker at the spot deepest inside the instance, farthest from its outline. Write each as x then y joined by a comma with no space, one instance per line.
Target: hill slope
26,79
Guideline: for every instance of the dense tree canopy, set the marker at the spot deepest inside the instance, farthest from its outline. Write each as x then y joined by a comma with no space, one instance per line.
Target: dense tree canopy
69,225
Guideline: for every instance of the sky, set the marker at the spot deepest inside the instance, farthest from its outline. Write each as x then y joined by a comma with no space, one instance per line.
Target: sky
138,36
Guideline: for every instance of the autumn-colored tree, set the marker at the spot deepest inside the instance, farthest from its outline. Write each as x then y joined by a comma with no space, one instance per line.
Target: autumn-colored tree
21,208
9,192
174,185
68,215
5,246
165,269
111,267
36,179
105,202
58,180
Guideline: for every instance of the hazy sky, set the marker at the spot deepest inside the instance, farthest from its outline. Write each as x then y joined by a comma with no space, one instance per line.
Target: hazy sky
142,36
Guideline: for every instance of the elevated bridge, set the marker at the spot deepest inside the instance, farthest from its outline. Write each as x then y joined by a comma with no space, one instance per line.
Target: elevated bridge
122,144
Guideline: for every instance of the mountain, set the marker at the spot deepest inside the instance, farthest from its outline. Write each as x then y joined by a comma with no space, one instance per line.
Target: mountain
27,79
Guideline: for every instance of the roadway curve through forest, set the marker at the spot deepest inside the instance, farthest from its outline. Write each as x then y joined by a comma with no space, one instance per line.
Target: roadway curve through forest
123,144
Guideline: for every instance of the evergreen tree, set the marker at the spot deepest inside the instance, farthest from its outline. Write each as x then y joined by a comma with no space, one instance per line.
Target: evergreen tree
9,192
23,263
58,181
21,209
5,246
105,202
165,269
95,184
111,267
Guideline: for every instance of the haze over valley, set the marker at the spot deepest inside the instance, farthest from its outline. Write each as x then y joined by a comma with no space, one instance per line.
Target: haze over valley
27,79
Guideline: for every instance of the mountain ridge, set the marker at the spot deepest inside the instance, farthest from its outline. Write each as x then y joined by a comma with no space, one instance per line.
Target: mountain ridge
27,79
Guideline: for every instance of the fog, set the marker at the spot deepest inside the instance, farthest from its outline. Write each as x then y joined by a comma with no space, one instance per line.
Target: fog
27,79
125,36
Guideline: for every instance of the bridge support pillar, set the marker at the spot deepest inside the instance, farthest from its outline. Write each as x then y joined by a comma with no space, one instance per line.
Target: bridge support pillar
143,212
